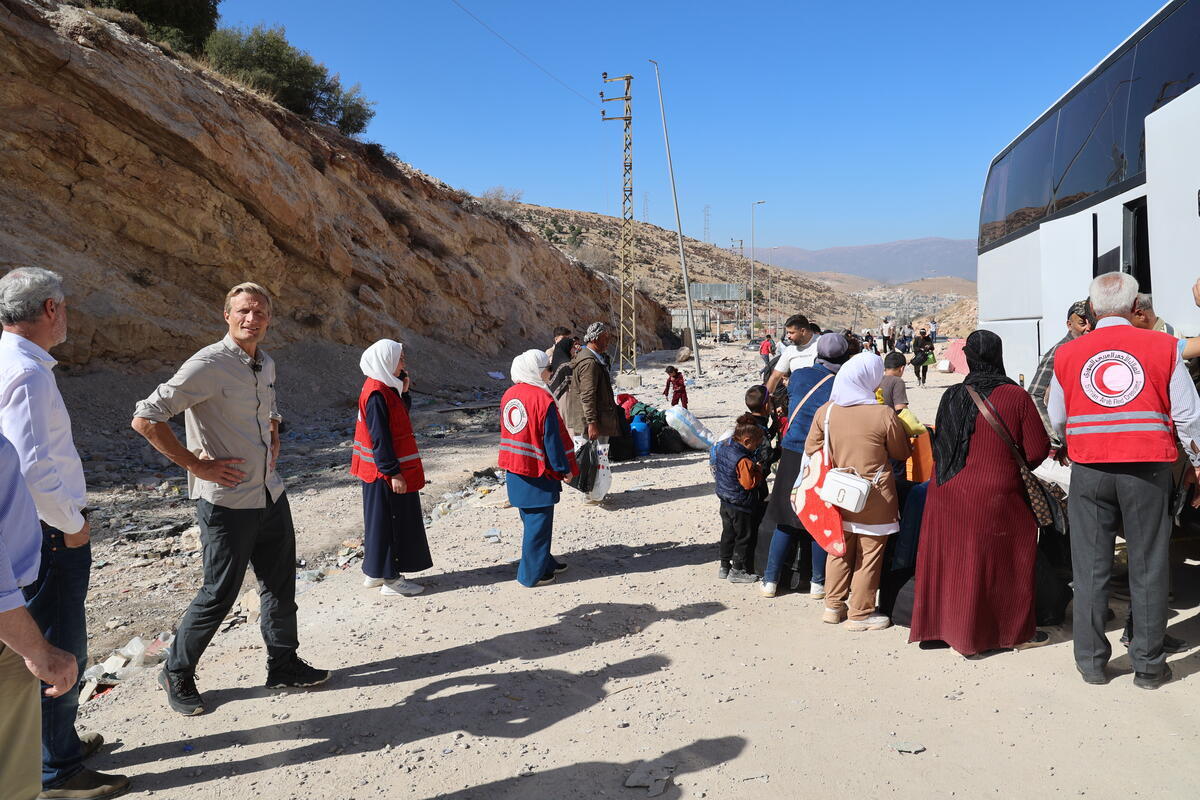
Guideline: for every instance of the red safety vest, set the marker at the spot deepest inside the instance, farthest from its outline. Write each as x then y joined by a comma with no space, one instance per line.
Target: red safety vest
1116,383
404,444
522,419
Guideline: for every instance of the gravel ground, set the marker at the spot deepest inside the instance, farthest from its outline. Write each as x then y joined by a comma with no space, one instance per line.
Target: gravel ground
637,667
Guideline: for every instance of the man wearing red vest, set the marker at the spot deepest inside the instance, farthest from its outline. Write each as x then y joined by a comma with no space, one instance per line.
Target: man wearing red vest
1120,397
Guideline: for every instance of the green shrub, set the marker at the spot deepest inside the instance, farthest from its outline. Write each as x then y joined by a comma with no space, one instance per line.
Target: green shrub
183,24
128,22
264,59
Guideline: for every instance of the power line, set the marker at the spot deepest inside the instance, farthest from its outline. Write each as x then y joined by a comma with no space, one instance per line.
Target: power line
522,54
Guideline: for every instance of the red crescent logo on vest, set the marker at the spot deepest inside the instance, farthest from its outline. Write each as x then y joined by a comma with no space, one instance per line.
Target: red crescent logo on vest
1112,378
515,416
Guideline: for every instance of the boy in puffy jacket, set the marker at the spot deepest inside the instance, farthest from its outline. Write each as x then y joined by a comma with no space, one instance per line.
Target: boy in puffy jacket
740,486
676,387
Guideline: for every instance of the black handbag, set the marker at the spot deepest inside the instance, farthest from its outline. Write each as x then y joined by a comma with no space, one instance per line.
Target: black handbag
588,459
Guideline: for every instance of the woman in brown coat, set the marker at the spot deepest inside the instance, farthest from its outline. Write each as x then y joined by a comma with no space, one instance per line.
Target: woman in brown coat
863,435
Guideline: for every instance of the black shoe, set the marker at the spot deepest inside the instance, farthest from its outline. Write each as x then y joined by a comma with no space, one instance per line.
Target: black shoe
1171,645
182,694
294,673
741,576
559,566
1095,678
722,572
89,784
1149,680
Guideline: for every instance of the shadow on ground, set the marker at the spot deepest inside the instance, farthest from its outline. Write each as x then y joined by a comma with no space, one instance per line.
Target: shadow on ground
510,704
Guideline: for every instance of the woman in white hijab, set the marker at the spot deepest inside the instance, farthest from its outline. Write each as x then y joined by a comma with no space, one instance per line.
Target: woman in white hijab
536,454
386,460
863,435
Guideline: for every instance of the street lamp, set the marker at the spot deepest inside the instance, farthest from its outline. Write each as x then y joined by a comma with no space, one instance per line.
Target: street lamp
753,256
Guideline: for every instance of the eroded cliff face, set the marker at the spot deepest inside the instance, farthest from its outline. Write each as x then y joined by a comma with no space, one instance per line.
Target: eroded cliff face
153,187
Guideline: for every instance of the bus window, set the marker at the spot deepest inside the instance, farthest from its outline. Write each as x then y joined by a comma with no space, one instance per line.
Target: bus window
991,216
1027,196
1089,154
1167,64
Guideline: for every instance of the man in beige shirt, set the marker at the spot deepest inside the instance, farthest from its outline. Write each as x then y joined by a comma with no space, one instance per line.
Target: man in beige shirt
226,392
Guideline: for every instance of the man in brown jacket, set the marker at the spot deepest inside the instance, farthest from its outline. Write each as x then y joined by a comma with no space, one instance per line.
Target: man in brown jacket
589,407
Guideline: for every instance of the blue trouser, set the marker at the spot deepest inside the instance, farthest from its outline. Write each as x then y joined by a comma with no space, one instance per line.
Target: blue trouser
56,602
536,561
783,542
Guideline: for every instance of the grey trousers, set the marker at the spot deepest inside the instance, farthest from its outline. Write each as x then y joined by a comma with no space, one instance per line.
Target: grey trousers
233,539
1103,497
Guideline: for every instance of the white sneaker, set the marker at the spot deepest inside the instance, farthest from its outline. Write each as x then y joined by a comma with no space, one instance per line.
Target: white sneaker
875,622
816,591
400,586
372,583
768,589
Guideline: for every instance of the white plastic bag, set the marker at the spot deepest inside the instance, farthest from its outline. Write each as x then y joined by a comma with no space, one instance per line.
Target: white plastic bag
694,432
603,473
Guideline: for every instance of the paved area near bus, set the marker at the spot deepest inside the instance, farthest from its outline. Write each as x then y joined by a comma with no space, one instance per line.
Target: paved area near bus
640,667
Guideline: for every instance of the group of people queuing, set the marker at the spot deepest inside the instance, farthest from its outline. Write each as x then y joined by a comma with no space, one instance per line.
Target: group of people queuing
1113,400
891,337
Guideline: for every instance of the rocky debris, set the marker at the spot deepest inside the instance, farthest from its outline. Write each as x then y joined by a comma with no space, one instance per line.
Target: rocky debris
123,664
153,186
683,355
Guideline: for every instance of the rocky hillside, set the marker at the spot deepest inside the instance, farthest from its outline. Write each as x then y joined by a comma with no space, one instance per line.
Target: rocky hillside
153,185
593,239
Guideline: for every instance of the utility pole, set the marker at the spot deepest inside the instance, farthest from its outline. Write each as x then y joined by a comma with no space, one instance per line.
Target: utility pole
687,285
645,206
627,374
707,220
738,246
753,258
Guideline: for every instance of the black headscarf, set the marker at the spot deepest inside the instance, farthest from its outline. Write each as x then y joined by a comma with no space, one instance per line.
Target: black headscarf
957,412
562,353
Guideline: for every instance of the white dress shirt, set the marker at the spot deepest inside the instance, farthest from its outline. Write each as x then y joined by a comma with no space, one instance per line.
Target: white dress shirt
1185,404
34,418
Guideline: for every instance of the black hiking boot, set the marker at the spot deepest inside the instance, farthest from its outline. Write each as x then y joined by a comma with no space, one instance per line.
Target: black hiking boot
182,694
294,673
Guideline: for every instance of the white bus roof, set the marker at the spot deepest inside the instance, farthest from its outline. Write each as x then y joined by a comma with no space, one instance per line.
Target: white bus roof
1136,35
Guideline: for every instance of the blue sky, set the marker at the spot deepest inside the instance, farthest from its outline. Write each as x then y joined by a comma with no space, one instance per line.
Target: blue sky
857,122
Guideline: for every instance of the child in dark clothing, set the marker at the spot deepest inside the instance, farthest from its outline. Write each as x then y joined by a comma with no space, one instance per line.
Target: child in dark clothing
740,487
676,387
761,407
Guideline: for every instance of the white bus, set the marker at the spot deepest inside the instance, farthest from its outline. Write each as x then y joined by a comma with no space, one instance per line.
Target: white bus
1107,179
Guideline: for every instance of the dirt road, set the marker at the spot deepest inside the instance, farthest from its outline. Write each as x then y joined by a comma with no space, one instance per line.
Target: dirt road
480,688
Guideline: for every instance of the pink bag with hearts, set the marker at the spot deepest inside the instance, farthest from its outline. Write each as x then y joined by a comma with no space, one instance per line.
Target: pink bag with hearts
821,519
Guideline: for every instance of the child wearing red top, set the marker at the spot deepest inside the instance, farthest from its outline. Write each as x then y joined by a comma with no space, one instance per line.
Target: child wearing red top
675,388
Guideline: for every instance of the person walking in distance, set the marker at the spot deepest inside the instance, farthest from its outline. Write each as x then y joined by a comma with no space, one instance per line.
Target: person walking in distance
767,349
1119,399
676,387
33,417
226,392
25,655
922,350
387,463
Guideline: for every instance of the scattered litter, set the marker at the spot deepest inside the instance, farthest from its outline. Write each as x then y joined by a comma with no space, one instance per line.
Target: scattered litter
497,375
907,747
123,664
492,535
311,575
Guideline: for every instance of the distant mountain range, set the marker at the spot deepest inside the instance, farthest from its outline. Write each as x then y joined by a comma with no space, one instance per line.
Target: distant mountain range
893,262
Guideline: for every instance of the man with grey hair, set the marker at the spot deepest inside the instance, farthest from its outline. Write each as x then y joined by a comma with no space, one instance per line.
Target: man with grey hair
1119,399
226,392
1146,318
33,311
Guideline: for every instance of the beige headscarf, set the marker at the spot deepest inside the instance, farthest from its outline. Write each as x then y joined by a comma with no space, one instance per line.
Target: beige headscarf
379,362
527,368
